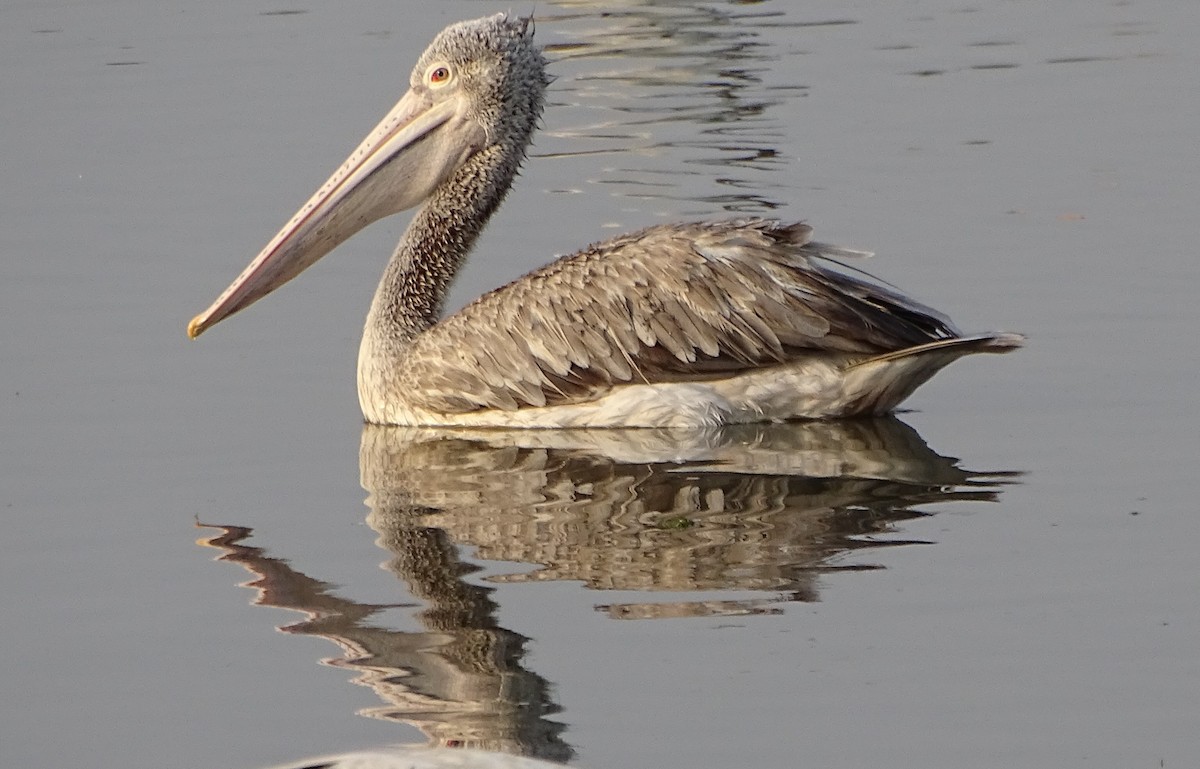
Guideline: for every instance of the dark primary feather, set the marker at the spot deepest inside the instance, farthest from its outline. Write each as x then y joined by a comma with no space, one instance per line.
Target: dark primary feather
669,303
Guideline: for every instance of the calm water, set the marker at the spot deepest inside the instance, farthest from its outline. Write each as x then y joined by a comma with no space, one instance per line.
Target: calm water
836,596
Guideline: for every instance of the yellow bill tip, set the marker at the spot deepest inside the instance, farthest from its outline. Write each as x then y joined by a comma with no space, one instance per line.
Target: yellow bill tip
195,327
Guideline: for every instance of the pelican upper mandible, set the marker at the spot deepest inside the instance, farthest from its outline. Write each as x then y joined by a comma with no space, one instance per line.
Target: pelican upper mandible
675,325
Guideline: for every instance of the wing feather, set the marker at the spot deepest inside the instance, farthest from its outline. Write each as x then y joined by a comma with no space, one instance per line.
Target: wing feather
668,303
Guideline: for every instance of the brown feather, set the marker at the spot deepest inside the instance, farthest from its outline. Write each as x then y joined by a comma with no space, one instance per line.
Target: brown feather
666,303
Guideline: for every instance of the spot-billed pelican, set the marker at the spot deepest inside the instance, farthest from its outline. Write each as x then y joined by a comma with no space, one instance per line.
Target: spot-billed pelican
675,325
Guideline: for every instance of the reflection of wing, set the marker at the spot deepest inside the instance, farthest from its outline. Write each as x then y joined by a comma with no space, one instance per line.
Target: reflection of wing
417,459
756,507
671,302
416,757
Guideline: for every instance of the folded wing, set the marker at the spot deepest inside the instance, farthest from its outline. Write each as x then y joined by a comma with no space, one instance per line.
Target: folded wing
669,303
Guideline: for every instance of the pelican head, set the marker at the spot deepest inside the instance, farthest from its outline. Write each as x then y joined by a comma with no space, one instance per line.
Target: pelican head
476,90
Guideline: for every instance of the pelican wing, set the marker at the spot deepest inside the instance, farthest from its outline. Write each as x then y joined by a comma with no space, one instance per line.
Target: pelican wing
668,303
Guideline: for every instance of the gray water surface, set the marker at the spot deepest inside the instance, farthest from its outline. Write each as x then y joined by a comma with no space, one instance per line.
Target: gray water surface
797,595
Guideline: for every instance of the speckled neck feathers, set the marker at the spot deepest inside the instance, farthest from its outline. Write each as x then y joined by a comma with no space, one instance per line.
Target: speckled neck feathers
503,75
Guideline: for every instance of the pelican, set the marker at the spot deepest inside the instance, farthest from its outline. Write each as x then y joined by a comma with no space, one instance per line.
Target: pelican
677,325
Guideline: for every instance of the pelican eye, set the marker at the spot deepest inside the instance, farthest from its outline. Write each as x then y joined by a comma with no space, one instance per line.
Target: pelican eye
439,75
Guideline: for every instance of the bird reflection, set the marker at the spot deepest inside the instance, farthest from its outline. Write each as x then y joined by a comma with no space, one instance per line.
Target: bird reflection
678,515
